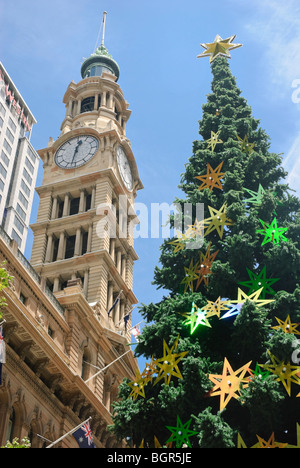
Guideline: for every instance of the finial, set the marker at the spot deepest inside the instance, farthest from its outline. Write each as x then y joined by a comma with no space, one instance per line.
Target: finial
103,31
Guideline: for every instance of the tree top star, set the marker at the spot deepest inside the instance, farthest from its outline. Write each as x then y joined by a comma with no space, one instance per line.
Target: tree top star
219,47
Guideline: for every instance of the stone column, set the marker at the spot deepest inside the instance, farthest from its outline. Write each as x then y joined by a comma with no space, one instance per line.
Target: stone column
77,242
66,209
82,201
61,246
89,241
54,208
85,282
49,249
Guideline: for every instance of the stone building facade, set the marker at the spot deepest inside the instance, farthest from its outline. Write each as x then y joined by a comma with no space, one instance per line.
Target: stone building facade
58,328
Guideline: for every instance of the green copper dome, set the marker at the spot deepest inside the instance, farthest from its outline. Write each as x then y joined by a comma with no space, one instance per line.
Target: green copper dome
99,62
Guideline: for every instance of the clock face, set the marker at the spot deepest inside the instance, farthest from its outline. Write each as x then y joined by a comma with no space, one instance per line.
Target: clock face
76,151
124,168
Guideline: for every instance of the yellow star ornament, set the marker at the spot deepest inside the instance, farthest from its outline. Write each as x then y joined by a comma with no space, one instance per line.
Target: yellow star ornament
287,326
254,297
285,372
137,386
213,140
212,178
168,364
228,384
217,221
219,47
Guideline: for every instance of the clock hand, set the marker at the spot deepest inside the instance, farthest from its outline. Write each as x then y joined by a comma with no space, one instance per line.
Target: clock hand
76,149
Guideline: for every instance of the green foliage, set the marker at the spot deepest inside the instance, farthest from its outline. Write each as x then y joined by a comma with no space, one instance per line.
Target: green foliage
264,406
5,280
25,443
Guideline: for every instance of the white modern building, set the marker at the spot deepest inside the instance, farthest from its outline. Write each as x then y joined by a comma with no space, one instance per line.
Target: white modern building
19,161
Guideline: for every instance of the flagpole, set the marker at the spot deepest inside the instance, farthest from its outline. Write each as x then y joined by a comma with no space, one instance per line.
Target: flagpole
117,324
104,368
68,433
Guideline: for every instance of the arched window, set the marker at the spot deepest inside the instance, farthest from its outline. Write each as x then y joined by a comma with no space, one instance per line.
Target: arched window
87,104
11,425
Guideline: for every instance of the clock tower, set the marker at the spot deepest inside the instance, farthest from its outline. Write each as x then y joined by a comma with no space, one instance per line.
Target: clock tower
83,236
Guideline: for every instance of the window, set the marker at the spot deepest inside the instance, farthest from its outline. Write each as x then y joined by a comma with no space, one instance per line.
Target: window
87,105
7,146
25,188
29,165
19,225
3,171
12,124
9,135
21,212
1,122
88,202
4,158
23,200
22,298
16,237
27,176
2,109
70,246
1,185
84,243
74,206
31,154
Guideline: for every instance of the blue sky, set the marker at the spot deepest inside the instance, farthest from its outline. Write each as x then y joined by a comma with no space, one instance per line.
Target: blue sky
42,45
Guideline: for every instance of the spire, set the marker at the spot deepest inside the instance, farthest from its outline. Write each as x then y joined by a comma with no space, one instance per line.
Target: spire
100,60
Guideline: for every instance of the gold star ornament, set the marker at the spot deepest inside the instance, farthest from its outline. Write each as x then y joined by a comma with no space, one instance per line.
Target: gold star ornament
220,47
229,383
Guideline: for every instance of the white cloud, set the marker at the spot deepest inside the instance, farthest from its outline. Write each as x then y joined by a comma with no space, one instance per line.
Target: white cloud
277,26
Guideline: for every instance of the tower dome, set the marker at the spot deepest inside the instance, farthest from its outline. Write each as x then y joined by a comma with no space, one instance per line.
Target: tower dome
100,61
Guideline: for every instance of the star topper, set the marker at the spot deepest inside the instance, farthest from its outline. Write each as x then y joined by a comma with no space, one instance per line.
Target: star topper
220,47
229,383
212,178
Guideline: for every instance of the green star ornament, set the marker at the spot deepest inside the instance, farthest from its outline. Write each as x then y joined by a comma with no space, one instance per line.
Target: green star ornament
181,433
256,197
272,232
259,281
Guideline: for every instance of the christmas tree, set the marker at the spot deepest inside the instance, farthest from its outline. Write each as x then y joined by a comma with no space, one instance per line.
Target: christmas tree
222,354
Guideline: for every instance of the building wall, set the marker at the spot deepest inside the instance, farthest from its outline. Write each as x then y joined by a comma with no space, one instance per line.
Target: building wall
52,348
19,161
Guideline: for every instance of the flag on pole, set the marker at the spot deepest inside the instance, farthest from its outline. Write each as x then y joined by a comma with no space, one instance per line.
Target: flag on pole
84,437
136,331
115,303
126,318
2,352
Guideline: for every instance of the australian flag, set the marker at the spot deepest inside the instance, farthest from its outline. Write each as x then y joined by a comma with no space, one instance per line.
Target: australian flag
84,437
2,353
